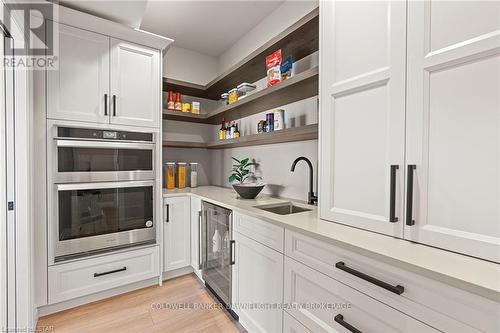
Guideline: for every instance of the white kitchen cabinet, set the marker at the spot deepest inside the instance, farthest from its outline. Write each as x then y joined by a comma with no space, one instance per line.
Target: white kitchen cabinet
135,84
435,303
292,325
362,111
453,133
77,89
195,235
333,305
104,80
84,277
257,279
444,139
176,233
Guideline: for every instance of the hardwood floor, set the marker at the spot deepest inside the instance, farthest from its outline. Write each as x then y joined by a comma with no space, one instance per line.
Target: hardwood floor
148,310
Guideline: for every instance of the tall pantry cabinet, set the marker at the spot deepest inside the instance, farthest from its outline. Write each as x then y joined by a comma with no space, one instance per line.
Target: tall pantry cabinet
410,121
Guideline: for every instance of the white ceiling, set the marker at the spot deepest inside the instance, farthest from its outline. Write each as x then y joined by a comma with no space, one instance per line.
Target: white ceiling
208,27
127,12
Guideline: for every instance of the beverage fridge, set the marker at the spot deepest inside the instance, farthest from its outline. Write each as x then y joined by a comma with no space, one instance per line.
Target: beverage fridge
217,251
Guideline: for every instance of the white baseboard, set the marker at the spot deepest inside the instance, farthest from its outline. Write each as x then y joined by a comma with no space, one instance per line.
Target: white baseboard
52,308
177,272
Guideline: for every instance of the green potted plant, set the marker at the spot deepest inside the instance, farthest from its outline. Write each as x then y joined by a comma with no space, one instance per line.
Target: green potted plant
240,174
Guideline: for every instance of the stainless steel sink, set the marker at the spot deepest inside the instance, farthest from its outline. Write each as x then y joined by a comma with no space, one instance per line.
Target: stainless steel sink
284,208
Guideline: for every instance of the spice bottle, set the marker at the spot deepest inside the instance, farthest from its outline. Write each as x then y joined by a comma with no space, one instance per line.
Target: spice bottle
178,103
222,130
236,133
170,102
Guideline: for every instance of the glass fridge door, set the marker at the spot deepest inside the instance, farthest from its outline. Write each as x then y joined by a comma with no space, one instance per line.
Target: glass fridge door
216,261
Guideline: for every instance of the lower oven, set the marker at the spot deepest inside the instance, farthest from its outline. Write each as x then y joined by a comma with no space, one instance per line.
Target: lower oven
102,216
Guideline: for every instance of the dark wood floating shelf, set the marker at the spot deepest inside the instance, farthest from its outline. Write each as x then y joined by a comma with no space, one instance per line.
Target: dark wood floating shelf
298,87
298,41
303,133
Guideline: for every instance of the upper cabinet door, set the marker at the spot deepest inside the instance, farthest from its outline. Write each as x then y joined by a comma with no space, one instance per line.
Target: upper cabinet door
453,125
362,113
76,91
135,84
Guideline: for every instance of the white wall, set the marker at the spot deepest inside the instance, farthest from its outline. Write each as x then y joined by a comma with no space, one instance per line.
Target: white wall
191,66
275,162
277,21
187,65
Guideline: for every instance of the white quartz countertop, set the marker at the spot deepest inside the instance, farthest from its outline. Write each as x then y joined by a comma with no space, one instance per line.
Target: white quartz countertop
477,276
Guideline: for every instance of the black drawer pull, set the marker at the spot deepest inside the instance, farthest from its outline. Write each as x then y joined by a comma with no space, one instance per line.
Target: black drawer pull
395,289
111,272
392,205
340,319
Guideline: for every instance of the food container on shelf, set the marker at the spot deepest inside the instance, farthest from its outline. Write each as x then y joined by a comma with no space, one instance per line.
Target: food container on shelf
233,96
195,107
186,107
170,175
193,167
279,119
181,174
244,89
224,97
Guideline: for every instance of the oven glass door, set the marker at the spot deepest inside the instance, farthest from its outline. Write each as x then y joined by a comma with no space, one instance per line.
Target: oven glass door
79,161
93,217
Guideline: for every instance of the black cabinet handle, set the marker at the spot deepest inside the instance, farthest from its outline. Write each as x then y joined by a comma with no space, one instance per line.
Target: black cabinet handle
105,104
395,289
409,196
340,319
111,272
114,105
231,252
392,199
167,218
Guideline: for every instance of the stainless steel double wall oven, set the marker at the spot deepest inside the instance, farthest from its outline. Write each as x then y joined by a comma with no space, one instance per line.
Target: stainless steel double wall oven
103,190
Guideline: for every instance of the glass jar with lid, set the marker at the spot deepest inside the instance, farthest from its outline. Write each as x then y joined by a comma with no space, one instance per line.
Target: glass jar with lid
170,175
181,174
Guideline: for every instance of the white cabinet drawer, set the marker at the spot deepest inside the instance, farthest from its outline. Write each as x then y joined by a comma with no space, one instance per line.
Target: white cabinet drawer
261,231
447,308
84,277
328,305
292,325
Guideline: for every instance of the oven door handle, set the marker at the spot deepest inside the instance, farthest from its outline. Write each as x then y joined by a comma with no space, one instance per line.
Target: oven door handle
103,144
102,185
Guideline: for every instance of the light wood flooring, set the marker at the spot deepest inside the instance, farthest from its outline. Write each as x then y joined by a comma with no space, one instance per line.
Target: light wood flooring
135,312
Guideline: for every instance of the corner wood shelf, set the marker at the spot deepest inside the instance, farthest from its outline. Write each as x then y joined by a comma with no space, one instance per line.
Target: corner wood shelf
298,87
303,133
298,41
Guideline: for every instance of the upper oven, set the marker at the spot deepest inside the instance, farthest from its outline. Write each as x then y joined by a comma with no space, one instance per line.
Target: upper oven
88,155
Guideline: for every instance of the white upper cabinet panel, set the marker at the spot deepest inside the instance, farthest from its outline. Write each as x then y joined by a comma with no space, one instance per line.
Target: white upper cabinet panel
361,43
453,125
362,110
135,84
76,91
453,22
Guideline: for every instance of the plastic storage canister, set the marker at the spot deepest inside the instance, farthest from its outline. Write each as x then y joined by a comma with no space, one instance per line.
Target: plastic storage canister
170,175
194,174
181,175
